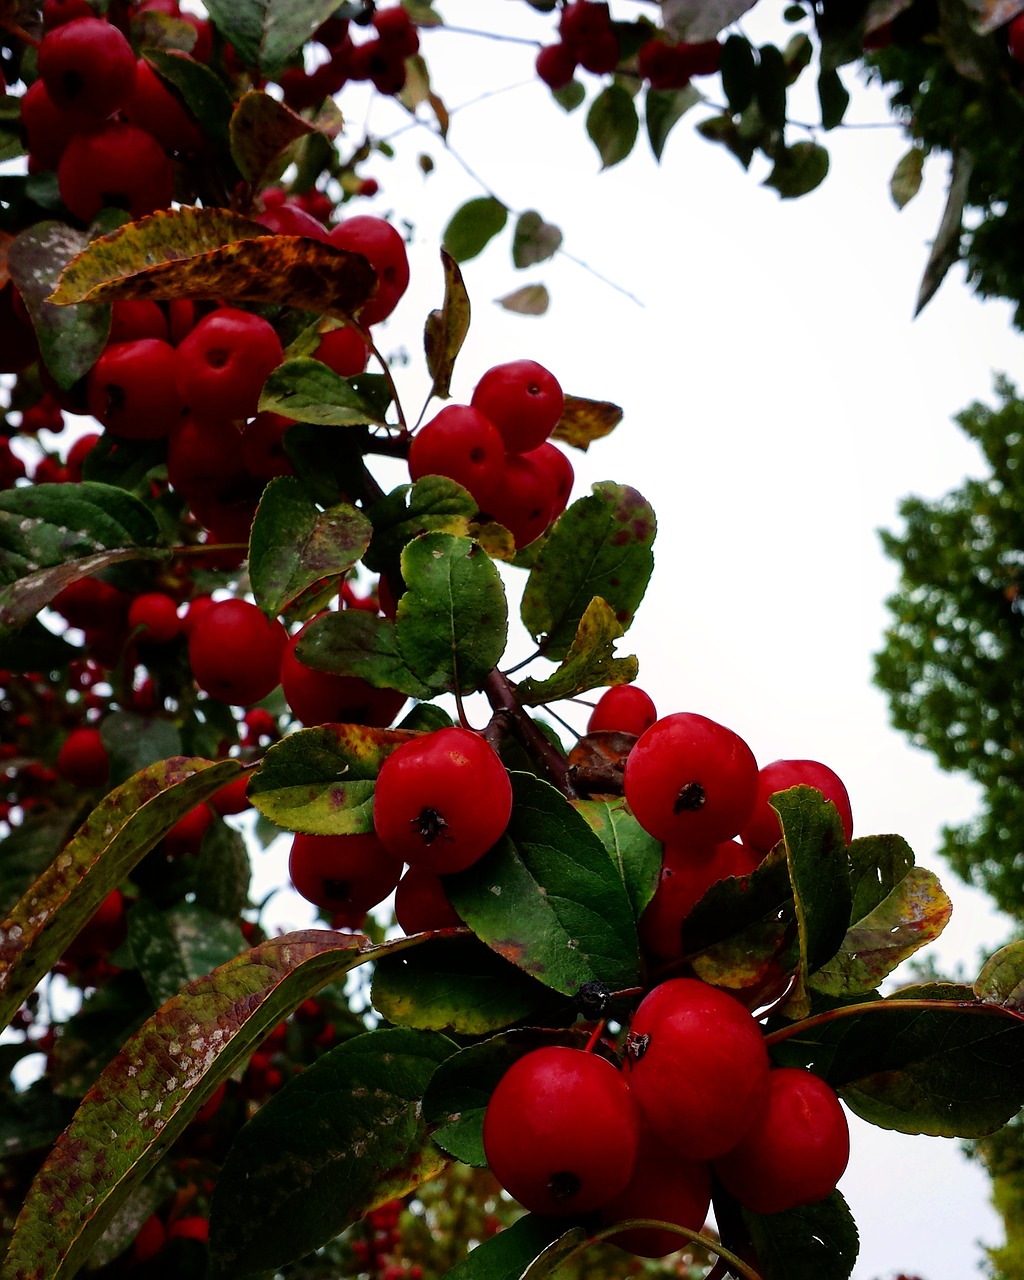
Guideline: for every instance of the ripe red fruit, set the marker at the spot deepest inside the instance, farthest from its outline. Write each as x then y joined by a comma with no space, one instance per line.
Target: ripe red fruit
687,873
193,1227
132,389
795,1151
556,65
289,220
87,66
154,107
186,836
225,360
460,443
149,1241
57,12
115,165
383,247
524,500
344,351
624,708
697,1066
689,778
204,458
422,904
83,758
48,128
263,450
762,830
232,797
1015,38
319,697
348,873
558,466
582,22
235,652
442,800
663,1186
523,400
134,318
561,1131
78,453
157,616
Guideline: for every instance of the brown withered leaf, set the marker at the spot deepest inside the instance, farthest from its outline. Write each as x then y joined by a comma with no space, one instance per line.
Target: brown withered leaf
584,421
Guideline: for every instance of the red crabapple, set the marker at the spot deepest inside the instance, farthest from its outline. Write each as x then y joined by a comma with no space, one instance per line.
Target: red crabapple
87,66
421,903
132,389
320,697
460,443
523,400
224,362
383,247
664,1186
155,614
83,758
347,873
762,830
235,652
624,708
524,500
114,165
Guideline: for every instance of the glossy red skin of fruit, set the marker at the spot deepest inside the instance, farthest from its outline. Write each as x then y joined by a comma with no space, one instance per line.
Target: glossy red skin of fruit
149,1241
235,652
559,467
191,1228
83,758
115,164
289,220
344,351
442,800
687,873
204,457
48,128
762,830
87,66
624,708
156,614
523,400
796,1150
697,1066
555,65
663,1186
421,903
233,797
133,389
561,1131
460,443
134,318
383,247
348,873
153,107
224,361
319,697
690,778
524,500
186,836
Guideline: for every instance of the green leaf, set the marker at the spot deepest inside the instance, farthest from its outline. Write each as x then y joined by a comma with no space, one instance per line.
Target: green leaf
434,504
265,33
353,642
446,329
612,124
223,872
877,865
570,96
663,109
306,390
135,742
150,1091
453,617
1001,980
739,73
833,98
636,854
534,240
176,946
798,169
294,544
808,1243
261,130
530,300
906,178
548,898
456,985
589,663
201,90
342,1137
584,421
601,546
473,226
320,780
120,830
913,914
70,338
819,870
29,848
770,80
955,1070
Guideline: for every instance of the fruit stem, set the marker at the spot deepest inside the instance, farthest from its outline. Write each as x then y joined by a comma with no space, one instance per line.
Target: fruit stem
501,694
19,33
874,1006
596,1035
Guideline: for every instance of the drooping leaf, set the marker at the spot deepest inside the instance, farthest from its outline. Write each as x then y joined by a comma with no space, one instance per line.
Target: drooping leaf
261,130
914,914
590,662
151,1090
293,544
321,780
584,421
29,848
945,248
663,109
308,391
341,1138
808,1243
534,240
211,253
434,504
739,73
601,546
548,898
265,33
636,854
570,96
530,300
70,339
770,82
202,91
174,947
353,642
121,829
798,169
446,328
223,872
452,621
612,124
473,226
454,984
1001,980
833,98
906,178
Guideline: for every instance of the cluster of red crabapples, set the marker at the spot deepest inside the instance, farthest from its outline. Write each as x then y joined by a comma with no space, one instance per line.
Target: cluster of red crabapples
587,39
497,447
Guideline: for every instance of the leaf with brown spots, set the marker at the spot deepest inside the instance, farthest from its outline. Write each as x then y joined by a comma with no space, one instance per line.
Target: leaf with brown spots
589,663
262,129
111,841
152,1089
584,421
212,253
446,329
